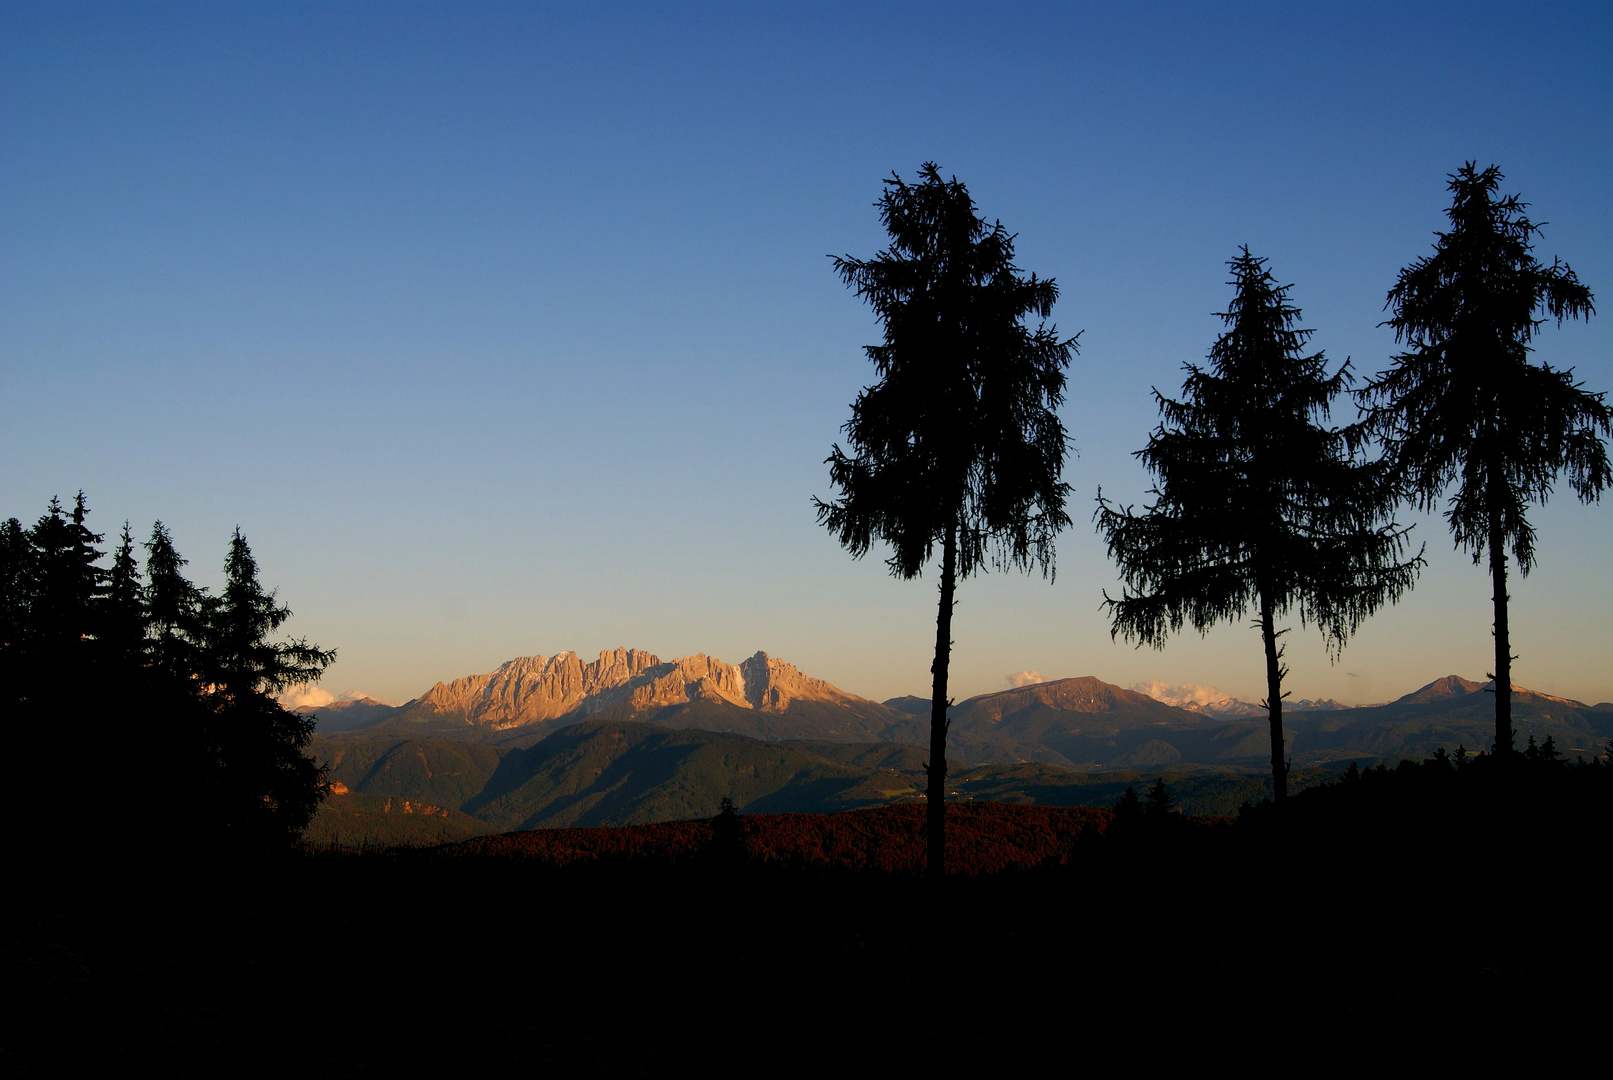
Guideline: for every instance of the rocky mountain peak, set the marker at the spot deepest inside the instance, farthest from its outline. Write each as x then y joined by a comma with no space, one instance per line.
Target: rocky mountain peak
1086,694
533,689
1451,686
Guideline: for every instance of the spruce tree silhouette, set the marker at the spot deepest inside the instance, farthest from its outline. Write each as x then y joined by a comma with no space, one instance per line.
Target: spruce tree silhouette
1255,503
264,787
52,608
1160,804
175,609
65,585
1129,815
727,846
1463,405
122,624
957,445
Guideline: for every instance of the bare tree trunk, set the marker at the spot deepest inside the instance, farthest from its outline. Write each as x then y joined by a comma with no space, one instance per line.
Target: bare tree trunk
1503,638
1274,700
936,795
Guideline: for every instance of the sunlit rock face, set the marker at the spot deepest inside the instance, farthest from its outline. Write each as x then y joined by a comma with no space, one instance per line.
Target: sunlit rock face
533,689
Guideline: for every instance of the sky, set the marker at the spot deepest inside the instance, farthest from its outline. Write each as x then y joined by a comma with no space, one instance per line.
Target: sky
511,329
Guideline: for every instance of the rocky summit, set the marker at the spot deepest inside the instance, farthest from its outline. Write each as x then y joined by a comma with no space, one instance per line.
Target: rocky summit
534,689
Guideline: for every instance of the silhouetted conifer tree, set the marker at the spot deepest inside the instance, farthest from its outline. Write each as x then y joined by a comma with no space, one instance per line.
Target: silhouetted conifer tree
123,618
1546,753
265,787
727,834
1255,502
1463,405
65,585
1129,814
174,607
1160,802
958,445
55,656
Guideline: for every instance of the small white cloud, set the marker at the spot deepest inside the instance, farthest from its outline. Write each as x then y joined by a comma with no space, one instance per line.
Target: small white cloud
295,697
1184,694
1025,678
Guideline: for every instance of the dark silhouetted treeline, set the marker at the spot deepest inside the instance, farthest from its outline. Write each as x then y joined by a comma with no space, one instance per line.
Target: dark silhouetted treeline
141,707
1534,804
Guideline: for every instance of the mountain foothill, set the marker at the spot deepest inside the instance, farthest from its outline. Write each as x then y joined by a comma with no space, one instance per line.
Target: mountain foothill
630,739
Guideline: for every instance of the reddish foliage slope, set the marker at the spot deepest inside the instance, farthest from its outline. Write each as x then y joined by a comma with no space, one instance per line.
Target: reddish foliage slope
982,838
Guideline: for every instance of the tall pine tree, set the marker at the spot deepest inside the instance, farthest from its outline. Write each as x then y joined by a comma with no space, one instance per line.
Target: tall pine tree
1256,503
264,785
122,623
1463,406
174,608
958,446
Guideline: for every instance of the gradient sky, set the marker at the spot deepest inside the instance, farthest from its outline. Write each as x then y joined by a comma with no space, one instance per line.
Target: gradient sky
509,329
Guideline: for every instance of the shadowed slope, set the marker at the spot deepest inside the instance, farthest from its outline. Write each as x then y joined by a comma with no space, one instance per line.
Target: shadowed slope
1088,723
599,772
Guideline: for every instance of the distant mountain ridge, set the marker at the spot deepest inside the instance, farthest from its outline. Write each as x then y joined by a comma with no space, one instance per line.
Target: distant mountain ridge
1080,723
348,714
1209,701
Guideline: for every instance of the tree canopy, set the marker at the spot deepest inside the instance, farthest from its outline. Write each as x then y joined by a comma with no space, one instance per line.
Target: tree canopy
960,434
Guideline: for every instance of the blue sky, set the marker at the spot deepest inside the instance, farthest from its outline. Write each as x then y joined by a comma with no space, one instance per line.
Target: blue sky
508,329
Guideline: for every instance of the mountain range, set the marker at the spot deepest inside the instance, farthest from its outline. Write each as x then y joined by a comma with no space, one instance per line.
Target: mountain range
1081,723
527,699
628,738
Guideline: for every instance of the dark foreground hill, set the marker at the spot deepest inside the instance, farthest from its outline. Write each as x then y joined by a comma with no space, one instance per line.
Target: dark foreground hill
1405,917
